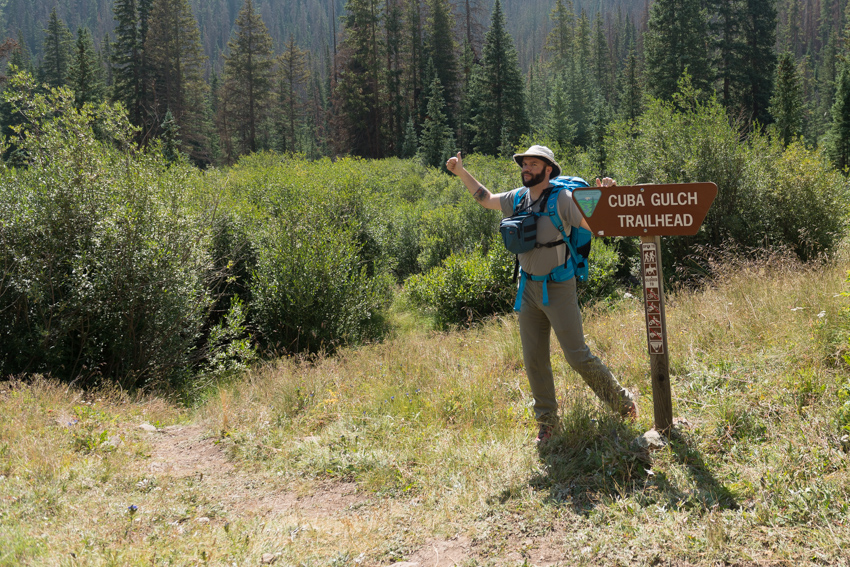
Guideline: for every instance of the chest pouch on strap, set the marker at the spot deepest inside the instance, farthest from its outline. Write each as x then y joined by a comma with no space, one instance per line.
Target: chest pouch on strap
519,232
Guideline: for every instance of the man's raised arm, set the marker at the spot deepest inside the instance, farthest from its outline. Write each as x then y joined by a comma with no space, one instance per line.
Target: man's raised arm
484,197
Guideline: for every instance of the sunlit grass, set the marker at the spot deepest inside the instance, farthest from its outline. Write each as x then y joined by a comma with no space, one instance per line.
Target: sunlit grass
429,436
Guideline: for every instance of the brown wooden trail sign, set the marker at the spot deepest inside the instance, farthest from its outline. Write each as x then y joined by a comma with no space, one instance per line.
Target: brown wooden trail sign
650,211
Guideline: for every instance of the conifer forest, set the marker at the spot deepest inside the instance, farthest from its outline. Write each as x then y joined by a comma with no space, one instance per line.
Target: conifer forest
404,78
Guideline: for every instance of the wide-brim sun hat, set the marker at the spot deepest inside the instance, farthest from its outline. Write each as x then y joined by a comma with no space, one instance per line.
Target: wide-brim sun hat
543,153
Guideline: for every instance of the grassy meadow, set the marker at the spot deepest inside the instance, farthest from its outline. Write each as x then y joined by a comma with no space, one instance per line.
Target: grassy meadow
420,449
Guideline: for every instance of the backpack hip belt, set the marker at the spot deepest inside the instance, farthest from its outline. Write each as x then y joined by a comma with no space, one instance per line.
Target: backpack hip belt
559,274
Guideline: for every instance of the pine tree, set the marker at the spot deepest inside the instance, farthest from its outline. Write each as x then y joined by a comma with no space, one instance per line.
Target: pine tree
601,119
759,59
786,106
435,129
631,99
86,72
500,118
465,110
247,78
394,72
838,137
440,48
581,84
536,97
558,126
357,93
676,40
170,138
128,62
559,42
58,42
293,76
725,30
410,143
601,64
176,65
21,57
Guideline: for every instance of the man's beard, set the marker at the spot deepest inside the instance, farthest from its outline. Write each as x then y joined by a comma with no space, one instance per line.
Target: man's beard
535,179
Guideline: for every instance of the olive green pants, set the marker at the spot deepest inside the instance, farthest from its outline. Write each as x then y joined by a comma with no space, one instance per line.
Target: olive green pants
563,315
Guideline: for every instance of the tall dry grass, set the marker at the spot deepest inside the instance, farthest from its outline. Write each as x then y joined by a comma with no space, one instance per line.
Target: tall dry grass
434,434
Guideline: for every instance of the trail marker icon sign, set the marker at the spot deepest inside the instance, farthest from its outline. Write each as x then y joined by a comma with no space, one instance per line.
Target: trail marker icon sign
650,211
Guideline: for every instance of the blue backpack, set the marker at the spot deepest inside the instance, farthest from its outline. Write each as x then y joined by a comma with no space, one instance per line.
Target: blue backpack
578,241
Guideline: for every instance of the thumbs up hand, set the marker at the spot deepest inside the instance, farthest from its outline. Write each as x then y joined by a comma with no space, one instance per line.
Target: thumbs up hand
455,164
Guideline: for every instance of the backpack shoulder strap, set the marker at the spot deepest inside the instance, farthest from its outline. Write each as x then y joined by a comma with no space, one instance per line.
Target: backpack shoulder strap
518,196
555,217
552,210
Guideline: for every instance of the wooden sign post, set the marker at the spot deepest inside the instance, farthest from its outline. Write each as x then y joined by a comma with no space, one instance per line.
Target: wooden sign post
650,211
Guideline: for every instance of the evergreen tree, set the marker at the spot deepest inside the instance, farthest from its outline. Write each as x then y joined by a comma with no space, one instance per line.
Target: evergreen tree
357,92
394,28
631,99
500,117
676,40
536,97
822,96
176,65
435,129
415,66
293,77
58,42
440,49
601,64
581,84
559,42
759,59
106,62
128,72
558,125
248,68
601,119
86,72
465,110
838,137
21,57
410,143
725,30
170,138
786,106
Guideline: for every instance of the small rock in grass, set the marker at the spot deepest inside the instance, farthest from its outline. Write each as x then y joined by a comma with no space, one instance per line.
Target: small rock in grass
651,441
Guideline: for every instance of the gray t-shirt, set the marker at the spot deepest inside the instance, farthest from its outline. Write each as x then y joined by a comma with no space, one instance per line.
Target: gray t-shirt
541,261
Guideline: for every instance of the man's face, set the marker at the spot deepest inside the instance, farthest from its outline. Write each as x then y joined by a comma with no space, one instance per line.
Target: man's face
534,171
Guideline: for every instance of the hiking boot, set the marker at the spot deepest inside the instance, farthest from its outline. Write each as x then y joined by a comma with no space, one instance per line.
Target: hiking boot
545,433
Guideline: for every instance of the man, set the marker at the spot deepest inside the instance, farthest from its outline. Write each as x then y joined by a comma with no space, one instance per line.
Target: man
547,303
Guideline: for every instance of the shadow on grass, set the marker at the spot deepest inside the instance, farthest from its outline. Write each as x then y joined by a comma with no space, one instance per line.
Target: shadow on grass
594,462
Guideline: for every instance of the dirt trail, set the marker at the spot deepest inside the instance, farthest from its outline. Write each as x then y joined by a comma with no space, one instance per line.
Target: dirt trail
182,451
186,451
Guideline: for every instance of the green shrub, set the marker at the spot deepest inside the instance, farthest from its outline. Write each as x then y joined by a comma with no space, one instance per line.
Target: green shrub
103,266
766,196
467,286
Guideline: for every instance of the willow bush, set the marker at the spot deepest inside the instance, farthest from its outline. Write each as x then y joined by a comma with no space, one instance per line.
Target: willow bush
768,196
102,264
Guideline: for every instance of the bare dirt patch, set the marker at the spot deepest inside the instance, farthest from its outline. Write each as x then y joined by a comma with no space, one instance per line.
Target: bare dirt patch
187,451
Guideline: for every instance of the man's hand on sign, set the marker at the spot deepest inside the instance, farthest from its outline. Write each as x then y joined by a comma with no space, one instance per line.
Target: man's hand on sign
605,182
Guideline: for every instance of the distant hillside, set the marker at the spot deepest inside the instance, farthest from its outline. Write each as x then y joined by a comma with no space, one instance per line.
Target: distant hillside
312,21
